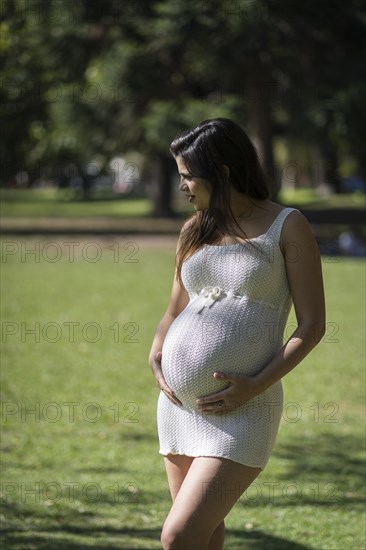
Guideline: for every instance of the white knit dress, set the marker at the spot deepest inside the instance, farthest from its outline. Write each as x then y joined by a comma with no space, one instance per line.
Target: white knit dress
234,323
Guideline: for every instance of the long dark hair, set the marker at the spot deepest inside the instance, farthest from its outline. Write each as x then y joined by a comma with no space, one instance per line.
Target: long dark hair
207,151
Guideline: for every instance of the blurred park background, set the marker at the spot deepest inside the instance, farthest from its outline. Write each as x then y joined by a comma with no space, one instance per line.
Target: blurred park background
92,93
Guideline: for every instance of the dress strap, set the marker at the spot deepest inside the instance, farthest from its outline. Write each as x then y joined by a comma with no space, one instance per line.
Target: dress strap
276,228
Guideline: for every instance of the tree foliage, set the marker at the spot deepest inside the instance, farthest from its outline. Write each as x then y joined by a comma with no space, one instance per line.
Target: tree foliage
93,79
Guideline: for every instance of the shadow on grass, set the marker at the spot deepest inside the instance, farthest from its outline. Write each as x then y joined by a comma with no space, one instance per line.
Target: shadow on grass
329,460
139,436
102,470
142,539
73,529
326,460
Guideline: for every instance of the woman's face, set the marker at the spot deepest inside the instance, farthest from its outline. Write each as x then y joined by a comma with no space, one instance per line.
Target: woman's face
197,190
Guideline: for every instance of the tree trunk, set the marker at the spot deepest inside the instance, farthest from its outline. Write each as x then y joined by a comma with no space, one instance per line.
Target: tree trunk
260,119
330,157
161,186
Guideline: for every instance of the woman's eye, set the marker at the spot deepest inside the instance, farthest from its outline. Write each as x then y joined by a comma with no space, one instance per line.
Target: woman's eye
186,178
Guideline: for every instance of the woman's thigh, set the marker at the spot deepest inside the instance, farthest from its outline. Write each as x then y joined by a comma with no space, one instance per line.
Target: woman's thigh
209,490
176,467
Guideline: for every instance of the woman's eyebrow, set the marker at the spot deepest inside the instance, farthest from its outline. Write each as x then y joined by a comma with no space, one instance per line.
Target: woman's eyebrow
185,175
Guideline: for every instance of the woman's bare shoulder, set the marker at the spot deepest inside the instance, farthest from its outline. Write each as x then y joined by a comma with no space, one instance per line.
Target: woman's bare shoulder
185,227
297,229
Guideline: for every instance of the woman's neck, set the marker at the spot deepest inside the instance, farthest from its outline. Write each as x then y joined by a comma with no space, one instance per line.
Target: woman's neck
243,206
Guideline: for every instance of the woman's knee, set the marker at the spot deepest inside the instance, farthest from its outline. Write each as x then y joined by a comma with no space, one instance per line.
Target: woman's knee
171,538
174,537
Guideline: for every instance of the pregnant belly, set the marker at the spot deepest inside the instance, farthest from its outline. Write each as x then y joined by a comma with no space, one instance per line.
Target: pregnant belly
198,345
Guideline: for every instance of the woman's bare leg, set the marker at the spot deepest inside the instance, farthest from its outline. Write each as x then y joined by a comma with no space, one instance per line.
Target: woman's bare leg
217,538
209,490
177,467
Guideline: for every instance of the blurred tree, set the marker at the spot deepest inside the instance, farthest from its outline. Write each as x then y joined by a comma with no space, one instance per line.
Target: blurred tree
321,79
91,79
47,50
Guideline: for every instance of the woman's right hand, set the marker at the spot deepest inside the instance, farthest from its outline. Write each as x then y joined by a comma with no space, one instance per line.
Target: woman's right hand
160,381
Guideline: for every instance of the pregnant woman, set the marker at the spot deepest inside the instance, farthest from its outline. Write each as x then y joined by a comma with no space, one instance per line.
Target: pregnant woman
218,354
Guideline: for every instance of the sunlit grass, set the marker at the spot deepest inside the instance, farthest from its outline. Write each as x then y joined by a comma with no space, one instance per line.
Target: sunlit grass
52,202
311,198
80,464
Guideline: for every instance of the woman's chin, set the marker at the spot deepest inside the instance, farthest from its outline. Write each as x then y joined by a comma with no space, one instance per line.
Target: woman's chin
199,207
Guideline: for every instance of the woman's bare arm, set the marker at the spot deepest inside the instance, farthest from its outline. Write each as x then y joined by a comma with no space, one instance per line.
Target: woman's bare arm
178,300
304,274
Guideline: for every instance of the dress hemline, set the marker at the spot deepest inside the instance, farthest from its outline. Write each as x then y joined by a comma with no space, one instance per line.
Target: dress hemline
213,455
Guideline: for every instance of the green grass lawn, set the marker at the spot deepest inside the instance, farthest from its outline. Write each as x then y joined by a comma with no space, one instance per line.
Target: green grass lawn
80,462
55,202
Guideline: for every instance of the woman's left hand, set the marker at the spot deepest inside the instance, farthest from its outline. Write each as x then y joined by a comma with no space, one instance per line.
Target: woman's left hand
242,388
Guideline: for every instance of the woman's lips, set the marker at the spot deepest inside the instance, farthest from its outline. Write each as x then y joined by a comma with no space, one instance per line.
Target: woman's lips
190,197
